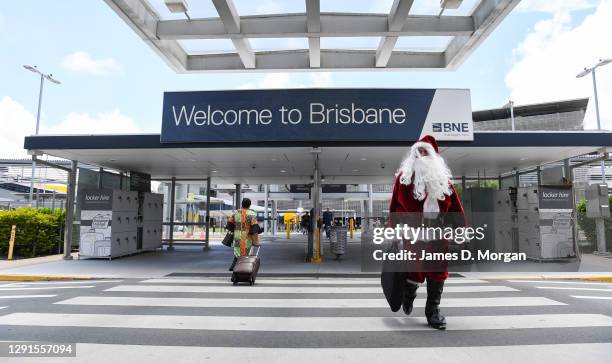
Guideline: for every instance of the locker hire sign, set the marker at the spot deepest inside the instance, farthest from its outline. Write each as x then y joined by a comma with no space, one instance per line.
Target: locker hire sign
317,115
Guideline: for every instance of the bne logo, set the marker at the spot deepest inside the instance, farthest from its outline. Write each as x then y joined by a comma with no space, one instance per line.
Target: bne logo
451,127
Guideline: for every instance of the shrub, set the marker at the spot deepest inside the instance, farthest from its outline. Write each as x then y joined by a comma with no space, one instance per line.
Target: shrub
587,225
38,232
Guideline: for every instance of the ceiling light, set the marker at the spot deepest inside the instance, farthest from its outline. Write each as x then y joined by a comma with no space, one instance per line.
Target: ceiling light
176,6
213,171
450,4
283,171
364,159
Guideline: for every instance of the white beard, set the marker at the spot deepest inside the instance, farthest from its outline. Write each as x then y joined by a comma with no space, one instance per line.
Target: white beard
432,177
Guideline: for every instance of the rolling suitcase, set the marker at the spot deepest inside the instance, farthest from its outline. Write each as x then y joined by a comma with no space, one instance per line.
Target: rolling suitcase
246,268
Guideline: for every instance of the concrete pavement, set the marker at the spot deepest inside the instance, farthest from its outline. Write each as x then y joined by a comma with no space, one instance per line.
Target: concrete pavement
279,257
305,319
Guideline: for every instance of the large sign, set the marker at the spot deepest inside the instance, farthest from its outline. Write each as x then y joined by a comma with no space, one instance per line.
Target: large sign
322,115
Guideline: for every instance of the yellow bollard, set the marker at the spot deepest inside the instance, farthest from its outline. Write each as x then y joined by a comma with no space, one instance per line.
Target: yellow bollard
351,227
288,230
317,257
12,242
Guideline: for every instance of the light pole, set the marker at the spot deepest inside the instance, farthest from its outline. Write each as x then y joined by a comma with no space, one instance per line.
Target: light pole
586,71
40,93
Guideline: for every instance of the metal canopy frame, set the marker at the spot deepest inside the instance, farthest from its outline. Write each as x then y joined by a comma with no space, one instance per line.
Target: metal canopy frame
163,36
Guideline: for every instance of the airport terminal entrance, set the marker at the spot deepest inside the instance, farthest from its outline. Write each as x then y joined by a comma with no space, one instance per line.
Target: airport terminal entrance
295,161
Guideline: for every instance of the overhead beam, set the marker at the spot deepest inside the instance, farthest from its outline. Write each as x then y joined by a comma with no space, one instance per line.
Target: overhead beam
332,59
397,19
331,25
486,17
143,20
313,27
231,22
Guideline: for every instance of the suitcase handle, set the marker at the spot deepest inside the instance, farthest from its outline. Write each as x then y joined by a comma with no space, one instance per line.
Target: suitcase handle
256,251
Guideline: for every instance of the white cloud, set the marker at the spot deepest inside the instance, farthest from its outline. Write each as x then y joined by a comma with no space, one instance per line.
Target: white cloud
268,7
290,80
554,52
548,6
17,122
82,62
113,122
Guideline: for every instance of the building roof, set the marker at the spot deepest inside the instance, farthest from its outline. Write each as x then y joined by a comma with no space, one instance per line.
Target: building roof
491,153
547,108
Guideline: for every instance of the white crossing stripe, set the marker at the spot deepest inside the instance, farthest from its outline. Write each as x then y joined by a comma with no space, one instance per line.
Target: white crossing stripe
291,289
593,297
24,296
60,282
572,288
43,288
300,303
296,282
562,282
3,307
583,353
304,324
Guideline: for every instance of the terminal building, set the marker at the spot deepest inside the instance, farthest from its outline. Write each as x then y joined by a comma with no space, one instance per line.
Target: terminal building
294,150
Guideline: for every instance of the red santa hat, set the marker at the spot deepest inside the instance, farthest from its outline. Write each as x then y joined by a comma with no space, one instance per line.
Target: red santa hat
426,141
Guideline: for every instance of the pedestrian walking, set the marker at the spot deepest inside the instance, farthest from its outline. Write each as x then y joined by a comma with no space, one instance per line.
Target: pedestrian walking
423,188
246,230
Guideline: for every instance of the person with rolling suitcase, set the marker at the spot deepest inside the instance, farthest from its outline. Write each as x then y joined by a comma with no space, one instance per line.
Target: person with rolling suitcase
246,235
247,267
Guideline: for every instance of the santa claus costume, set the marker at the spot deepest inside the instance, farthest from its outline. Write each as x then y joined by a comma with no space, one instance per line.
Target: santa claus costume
423,187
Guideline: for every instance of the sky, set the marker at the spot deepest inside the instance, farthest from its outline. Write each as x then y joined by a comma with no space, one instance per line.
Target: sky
112,82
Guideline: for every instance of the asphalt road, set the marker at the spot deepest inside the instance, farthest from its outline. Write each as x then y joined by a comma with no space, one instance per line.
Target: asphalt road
299,320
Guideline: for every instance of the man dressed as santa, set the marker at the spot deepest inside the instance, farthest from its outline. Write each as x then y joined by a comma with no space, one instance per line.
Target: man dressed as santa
423,188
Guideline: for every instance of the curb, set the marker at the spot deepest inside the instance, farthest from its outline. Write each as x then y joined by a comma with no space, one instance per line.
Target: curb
41,277
544,278
600,279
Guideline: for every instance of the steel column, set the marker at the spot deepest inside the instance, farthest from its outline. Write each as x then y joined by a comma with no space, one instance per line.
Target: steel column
207,212
237,196
172,199
266,229
72,180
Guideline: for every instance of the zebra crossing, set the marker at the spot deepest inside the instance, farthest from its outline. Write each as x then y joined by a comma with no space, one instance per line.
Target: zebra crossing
301,319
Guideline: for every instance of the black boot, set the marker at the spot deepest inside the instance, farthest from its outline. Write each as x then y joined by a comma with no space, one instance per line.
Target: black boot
410,293
233,264
435,319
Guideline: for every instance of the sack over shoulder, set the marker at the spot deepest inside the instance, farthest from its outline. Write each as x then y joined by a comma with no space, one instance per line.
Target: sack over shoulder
392,280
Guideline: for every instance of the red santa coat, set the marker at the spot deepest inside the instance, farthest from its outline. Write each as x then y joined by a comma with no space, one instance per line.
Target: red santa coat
403,201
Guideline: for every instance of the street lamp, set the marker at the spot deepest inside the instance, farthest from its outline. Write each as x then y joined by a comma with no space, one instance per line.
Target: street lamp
585,72
50,78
